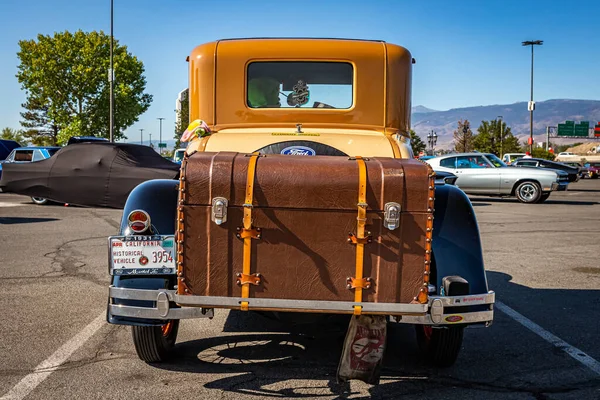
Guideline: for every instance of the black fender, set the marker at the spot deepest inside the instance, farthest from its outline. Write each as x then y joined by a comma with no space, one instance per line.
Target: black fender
456,243
158,198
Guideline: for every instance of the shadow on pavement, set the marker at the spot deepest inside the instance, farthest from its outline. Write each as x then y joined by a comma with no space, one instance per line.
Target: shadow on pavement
265,357
585,190
480,204
24,220
474,201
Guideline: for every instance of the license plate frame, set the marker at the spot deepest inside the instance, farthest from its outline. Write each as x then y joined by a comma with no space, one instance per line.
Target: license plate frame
141,255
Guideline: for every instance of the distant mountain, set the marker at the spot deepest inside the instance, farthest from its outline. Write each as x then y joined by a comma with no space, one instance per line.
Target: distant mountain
516,116
422,109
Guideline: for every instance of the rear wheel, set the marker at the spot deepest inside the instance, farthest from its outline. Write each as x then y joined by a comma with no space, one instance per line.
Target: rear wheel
528,192
543,197
40,201
154,343
440,346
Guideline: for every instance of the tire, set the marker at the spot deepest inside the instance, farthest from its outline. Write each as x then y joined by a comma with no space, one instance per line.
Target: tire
440,346
40,201
528,192
594,176
154,343
543,197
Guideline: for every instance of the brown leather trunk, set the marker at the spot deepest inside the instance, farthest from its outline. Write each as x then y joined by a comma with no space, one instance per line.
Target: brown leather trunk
305,208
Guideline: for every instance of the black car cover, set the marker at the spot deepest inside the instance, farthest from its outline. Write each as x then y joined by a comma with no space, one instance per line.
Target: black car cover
6,146
89,174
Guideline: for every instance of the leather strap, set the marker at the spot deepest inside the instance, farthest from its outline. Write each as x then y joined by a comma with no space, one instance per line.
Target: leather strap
248,227
360,230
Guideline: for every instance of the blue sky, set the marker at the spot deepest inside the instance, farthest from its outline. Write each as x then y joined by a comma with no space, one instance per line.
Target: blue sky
468,53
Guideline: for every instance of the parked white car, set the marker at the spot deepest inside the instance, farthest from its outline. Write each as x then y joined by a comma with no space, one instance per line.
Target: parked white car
509,158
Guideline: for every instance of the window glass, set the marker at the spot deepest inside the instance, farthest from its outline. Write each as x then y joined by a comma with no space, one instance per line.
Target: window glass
527,163
291,84
52,151
496,162
472,162
448,162
37,155
24,155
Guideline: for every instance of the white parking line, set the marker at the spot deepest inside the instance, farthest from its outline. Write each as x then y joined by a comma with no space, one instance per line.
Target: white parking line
550,338
46,367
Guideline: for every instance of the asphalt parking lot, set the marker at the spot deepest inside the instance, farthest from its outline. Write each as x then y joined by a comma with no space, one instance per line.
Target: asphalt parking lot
542,260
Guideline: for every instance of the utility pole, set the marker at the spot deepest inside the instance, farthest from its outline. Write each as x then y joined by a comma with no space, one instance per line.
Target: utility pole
160,119
531,105
141,136
111,76
150,139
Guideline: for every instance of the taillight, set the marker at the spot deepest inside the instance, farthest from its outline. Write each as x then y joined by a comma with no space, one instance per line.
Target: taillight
138,221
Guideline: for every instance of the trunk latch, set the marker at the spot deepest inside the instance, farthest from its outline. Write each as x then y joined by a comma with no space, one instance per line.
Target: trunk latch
219,210
391,216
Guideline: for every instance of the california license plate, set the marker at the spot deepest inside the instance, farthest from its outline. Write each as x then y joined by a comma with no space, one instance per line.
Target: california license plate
142,255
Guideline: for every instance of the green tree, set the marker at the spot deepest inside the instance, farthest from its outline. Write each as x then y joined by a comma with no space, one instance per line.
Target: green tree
183,118
539,152
463,137
65,77
495,137
41,129
416,143
13,134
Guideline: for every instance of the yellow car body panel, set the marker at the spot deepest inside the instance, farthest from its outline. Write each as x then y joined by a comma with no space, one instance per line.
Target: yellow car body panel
376,124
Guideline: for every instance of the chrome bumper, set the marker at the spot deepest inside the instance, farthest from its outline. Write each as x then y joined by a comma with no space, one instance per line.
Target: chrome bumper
431,313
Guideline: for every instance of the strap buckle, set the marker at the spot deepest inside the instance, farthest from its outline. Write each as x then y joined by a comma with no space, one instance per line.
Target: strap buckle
352,238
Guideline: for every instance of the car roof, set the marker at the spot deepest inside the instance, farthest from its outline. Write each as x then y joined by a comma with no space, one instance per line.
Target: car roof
37,147
476,153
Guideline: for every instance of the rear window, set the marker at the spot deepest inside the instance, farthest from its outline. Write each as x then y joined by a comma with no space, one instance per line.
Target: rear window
292,84
527,163
448,162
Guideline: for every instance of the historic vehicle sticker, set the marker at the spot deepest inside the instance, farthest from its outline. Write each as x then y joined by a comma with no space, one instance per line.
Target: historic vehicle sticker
452,319
142,255
298,151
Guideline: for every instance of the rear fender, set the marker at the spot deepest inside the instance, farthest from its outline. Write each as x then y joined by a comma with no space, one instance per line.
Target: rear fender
159,199
456,243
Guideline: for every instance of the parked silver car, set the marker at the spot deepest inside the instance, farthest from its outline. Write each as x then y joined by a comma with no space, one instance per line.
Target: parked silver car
481,173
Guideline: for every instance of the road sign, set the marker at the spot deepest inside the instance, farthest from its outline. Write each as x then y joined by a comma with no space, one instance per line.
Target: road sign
565,129
162,145
582,129
570,128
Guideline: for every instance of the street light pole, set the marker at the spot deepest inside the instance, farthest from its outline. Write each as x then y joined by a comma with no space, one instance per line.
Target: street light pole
531,105
160,119
111,75
142,136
